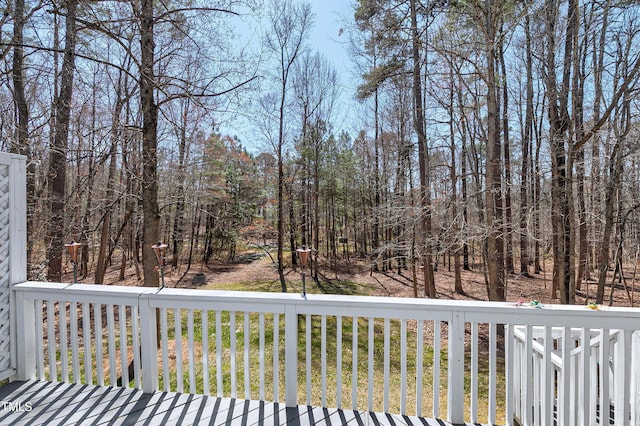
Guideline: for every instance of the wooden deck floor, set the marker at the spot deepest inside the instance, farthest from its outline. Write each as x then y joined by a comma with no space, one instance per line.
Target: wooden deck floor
45,403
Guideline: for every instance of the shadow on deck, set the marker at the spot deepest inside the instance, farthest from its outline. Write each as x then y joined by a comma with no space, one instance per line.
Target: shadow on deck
45,403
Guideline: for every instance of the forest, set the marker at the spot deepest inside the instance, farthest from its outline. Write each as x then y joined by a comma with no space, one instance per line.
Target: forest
491,133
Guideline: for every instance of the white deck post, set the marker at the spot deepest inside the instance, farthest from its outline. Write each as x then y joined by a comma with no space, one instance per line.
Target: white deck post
149,340
455,409
291,356
622,379
26,337
13,255
509,372
18,260
635,378
18,219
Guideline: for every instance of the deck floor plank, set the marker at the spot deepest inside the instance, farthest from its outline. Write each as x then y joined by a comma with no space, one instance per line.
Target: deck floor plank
80,407
44,403
267,413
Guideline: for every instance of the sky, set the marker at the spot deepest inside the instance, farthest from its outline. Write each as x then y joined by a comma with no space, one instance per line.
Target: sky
329,37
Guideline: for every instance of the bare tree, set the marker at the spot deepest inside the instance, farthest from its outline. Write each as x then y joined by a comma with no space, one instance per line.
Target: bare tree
58,149
148,88
527,137
22,145
315,85
423,153
494,202
289,24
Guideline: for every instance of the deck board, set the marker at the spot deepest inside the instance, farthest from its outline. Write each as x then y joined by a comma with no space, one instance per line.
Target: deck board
72,404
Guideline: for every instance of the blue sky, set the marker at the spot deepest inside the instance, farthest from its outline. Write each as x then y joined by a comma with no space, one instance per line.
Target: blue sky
327,38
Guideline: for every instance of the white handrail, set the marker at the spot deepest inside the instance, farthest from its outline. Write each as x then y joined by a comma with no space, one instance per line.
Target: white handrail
598,376
134,312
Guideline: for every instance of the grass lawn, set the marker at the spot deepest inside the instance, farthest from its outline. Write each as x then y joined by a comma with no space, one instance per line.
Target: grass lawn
326,362
233,328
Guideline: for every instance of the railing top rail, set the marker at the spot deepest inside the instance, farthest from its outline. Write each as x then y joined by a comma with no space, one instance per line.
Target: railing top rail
93,293
321,304
6,157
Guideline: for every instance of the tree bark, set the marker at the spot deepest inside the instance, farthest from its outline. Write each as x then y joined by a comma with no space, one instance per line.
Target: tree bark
611,189
22,146
289,25
178,221
150,209
508,225
101,264
316,205
595,178
527,135
454,197
423,156
495,241
283,283
559,121
18,77
578,131
58,149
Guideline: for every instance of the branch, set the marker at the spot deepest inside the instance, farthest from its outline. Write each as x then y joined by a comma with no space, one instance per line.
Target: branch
198,9
203,94
605,117
78,55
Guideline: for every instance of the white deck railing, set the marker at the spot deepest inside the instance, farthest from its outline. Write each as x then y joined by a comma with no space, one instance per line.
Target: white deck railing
434,358
595,387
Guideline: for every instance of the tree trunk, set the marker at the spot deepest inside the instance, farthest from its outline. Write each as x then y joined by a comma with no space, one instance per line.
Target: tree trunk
536,198
495,241
559,122
578,129
621,127
292,224
58,150
454,193
178,221
283,283
22,146
612,187
18,76
316,208
508,225
101,264
527,135
463,184
150,209
375,228
423,155
595,179
84,237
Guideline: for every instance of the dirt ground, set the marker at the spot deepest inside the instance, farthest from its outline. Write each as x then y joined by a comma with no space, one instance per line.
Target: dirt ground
252,271
253,267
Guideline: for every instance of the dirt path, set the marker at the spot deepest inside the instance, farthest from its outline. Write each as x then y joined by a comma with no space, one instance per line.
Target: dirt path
255,267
